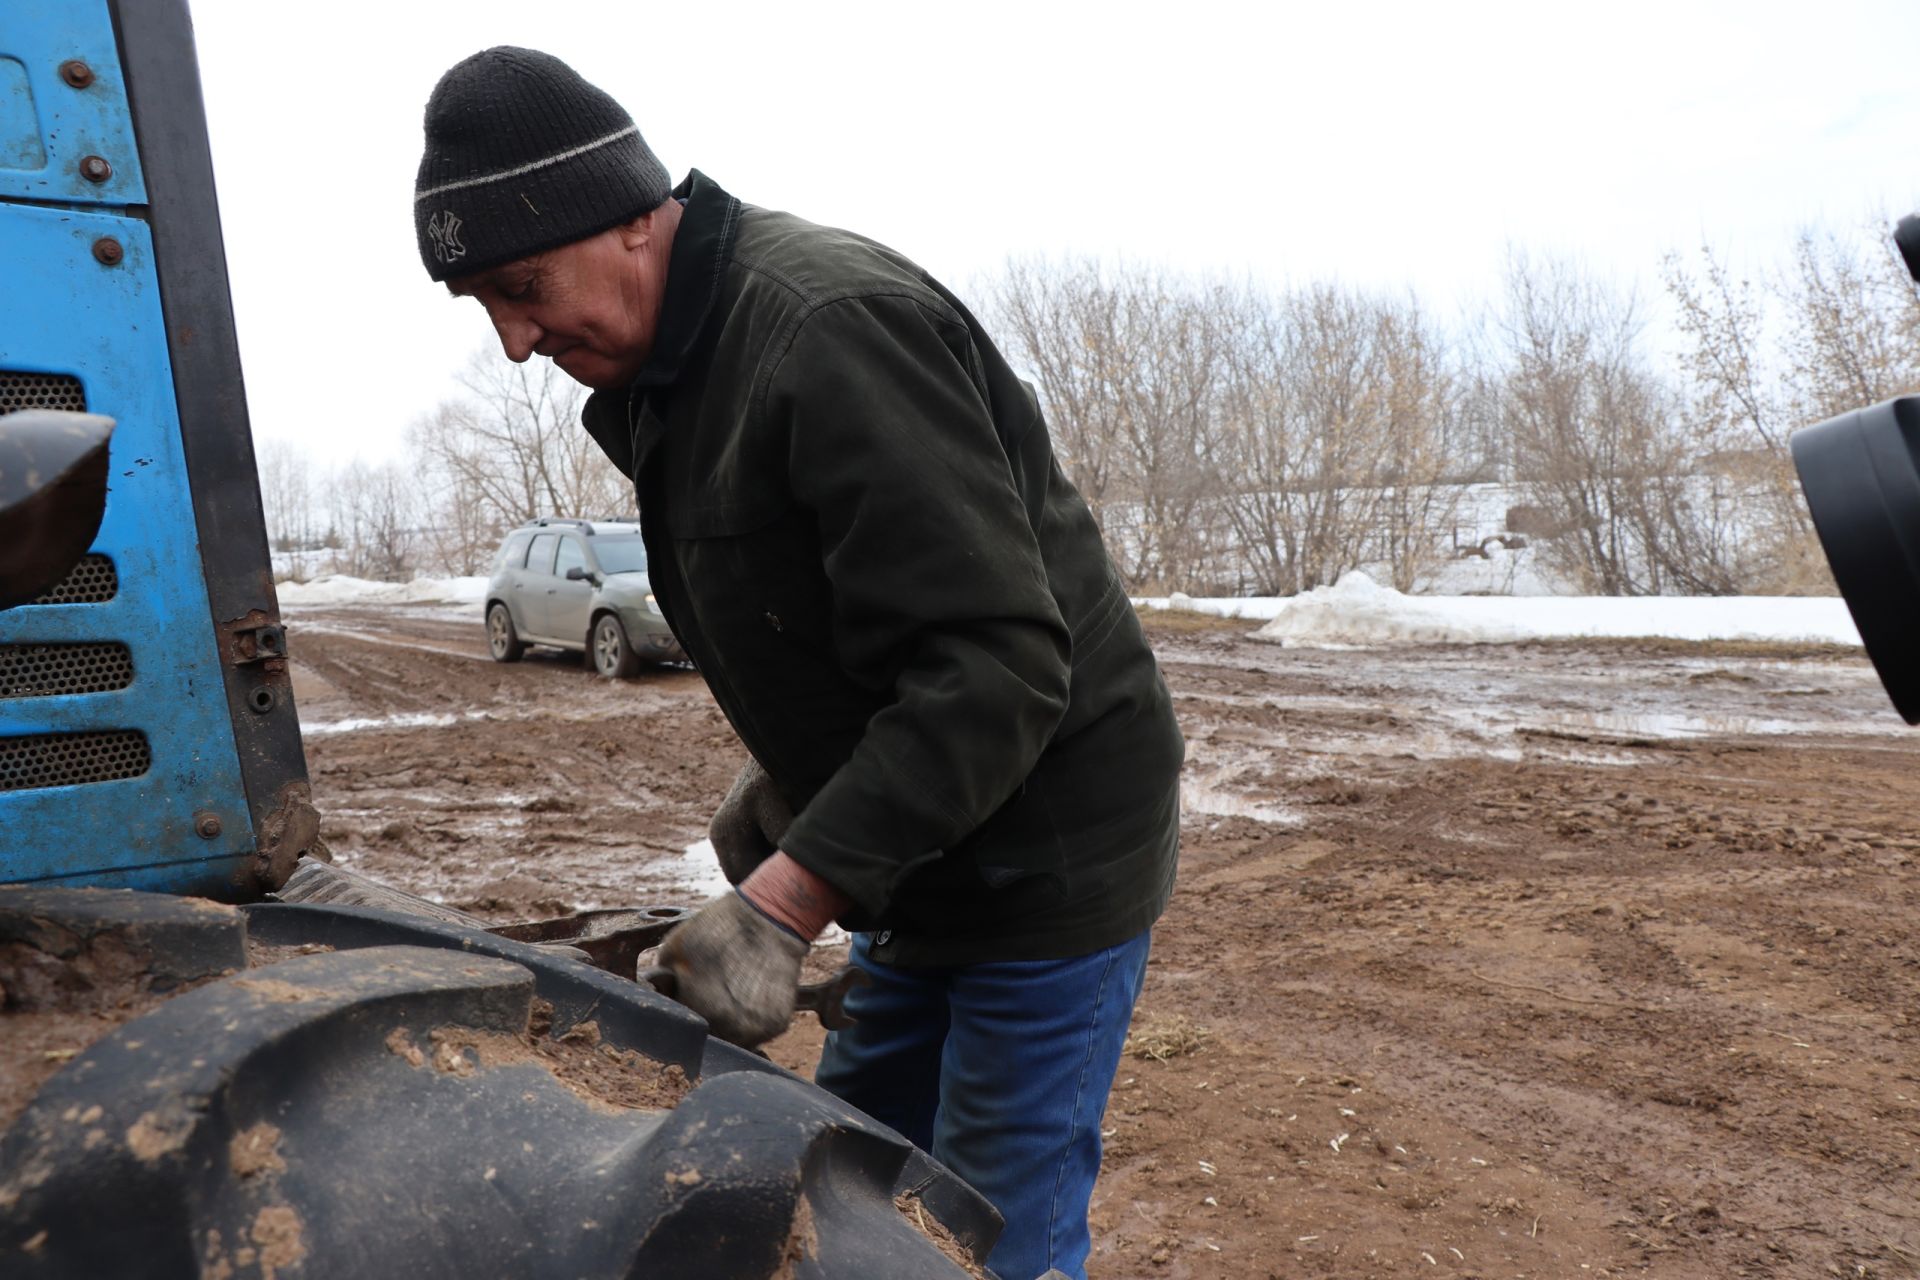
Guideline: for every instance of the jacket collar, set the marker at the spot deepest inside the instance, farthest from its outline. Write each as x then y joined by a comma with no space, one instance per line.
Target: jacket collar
702,247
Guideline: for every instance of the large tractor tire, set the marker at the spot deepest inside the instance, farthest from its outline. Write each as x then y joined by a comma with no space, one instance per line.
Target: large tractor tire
338,1091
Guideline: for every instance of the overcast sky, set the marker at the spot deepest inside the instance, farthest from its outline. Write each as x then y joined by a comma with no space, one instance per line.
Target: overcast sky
1389,144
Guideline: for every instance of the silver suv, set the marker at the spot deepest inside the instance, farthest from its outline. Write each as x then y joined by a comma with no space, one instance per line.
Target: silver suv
579,585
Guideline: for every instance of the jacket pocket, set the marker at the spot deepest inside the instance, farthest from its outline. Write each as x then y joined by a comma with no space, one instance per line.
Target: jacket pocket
764,610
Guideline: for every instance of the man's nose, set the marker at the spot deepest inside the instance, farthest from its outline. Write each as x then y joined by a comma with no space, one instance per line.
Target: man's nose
518,335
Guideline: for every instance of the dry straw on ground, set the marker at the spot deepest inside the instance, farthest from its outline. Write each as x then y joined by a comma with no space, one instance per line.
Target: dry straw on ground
1161,1038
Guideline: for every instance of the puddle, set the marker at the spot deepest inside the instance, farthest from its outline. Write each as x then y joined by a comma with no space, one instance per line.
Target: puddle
697,869
1198,798
406,720
1678,725
414,721
1509,705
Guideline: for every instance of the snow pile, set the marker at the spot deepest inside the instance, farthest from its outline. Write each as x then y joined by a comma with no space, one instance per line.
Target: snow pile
338,588
1358,612
1259,608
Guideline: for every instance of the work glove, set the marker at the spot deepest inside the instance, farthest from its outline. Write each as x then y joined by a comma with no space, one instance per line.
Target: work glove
736,961
736,968
749,824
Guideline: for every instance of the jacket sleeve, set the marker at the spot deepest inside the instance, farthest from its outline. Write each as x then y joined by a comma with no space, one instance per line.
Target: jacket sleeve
936,575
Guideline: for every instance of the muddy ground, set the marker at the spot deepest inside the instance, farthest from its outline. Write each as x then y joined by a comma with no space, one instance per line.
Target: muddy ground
1545,961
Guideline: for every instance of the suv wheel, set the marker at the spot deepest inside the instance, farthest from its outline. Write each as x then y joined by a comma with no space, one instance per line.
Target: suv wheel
503,642
613,657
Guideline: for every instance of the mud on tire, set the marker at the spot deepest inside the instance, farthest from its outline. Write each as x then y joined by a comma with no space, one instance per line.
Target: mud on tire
503,639
339,1091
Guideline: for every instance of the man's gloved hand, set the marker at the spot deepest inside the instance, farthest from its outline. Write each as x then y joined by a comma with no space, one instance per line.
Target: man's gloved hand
736,961
749,824
736,968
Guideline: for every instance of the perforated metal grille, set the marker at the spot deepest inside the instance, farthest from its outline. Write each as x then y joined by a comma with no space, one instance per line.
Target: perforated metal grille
45,670
67,759
40,391
91,581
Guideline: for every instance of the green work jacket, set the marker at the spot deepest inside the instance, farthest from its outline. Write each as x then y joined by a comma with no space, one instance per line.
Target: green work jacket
856,527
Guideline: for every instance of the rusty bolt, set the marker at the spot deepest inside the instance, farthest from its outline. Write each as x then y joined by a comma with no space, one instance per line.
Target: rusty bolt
76,73
95,169
107,251
207,824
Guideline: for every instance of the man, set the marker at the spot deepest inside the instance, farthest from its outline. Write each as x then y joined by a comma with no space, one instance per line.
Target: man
962,747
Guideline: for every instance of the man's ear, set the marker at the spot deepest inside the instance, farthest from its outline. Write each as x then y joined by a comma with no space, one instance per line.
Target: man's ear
638,233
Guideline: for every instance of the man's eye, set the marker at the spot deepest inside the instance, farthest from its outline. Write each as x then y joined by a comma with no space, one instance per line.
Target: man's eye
519,291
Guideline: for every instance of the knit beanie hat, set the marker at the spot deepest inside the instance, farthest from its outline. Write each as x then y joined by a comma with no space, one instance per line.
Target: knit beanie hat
523,155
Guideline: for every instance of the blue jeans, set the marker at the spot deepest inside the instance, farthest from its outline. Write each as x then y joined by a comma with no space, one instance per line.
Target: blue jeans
1001,1072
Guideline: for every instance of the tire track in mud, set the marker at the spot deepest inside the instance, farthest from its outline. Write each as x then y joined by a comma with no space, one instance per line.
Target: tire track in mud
549,788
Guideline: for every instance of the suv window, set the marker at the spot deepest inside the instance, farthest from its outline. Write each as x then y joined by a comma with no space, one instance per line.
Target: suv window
513,552
571,555
623,554
540,558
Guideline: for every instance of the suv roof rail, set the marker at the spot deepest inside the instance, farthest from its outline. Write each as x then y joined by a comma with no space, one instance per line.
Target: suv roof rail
586,526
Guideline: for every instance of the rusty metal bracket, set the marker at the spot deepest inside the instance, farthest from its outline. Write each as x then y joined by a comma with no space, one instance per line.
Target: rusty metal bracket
613,938
255,641
291,829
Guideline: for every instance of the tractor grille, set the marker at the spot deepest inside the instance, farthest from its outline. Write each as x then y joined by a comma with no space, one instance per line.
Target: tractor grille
67,759
91,581
48,670
40,391
43,670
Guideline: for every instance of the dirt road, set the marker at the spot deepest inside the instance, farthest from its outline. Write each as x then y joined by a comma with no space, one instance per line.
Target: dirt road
1497,961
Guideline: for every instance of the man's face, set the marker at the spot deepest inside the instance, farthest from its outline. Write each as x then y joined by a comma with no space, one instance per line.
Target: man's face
591,306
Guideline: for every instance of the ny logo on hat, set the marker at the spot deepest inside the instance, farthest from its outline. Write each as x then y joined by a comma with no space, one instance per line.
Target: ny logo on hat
444,230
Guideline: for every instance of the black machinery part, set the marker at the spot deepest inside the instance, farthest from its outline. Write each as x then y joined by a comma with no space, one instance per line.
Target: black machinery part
53,491
1862,485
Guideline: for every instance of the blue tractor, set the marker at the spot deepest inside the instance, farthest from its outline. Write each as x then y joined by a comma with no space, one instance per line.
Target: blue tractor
202,1072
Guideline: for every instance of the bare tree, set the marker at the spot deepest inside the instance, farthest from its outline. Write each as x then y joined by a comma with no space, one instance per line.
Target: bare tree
1058,319
286,494
1335,411
1125,362
510,449
1239,439
460,533
1421,414
513,447
1587,419
1853,318
374,519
